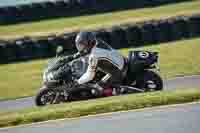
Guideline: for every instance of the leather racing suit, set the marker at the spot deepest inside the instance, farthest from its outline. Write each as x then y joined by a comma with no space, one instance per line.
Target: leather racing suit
107,60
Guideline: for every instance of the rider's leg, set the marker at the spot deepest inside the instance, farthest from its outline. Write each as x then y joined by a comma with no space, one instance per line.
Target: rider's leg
113,79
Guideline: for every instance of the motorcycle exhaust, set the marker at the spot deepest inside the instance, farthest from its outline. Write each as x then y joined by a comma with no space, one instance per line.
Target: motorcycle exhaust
132,88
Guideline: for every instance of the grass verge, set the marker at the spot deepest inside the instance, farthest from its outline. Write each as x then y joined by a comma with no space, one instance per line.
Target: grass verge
101,20
176,59
104,105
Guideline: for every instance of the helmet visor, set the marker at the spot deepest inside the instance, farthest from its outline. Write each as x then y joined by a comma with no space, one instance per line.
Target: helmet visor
80,47
80,44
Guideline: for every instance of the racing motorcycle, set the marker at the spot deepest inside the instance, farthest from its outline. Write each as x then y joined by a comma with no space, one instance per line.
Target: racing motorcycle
139,77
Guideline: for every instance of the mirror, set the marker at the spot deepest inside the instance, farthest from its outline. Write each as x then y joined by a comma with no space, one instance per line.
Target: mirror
59,51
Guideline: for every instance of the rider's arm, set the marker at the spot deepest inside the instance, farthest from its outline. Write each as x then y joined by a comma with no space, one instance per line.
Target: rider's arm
91,71
70,57
74,56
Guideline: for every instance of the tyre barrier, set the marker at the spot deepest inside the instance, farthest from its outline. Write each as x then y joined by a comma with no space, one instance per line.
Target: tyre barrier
68,40
7,52
180,28
134,35
35,11
103,34
53,41
163,31
41,48
128,35
148,33
194,25
118,37
65,8
25,48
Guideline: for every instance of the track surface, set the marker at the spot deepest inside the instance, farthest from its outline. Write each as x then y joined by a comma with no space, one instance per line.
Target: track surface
181,82
174,119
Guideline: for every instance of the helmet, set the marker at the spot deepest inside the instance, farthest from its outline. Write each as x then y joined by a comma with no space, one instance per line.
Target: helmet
84,41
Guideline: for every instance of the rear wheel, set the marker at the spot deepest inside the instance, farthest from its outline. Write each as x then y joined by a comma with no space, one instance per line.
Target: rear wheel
149,81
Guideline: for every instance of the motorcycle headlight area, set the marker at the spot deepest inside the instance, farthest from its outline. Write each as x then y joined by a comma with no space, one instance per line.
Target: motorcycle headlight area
78,67
44,77
48,77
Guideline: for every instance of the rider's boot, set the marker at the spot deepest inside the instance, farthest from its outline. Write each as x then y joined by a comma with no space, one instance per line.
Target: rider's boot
98,90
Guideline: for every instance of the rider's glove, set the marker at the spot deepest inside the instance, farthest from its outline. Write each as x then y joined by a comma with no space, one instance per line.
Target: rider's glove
70,57
66,58
75,83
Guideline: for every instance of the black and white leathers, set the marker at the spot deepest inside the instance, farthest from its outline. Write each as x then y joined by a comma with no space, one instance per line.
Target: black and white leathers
102,57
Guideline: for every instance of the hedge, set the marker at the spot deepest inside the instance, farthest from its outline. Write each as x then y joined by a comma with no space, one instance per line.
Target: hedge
66,8
129,35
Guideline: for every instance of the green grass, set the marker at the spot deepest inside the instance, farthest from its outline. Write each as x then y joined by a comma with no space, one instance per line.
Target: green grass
104,105
21,80
176,59
100,20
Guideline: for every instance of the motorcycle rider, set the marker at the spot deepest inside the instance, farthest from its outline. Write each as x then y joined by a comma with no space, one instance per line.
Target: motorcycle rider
102,58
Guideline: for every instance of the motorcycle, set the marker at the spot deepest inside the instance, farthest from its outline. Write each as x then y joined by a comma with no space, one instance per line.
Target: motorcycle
139,78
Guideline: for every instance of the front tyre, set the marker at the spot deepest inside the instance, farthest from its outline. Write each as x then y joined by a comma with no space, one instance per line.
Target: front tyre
45,96
149,81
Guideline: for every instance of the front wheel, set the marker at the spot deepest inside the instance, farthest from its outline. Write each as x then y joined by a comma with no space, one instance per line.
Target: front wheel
149,81
46,96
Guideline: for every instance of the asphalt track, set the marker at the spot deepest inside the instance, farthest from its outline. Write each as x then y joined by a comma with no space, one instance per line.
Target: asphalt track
180,82
171,119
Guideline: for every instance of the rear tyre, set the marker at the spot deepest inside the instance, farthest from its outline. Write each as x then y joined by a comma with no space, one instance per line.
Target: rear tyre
149,81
